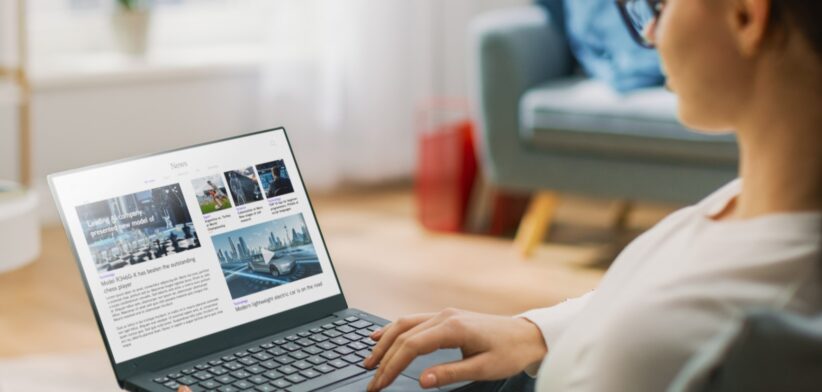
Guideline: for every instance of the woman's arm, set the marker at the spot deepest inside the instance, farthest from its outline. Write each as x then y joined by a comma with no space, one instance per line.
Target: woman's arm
493,347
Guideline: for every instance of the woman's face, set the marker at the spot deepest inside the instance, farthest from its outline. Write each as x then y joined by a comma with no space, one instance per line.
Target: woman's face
696,42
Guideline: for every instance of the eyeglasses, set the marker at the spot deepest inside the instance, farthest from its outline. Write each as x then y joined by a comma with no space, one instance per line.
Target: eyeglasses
638,16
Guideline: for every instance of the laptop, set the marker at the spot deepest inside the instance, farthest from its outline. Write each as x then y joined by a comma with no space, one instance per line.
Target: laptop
205,266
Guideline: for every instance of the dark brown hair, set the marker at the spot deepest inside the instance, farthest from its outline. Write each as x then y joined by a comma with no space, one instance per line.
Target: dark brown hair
805,15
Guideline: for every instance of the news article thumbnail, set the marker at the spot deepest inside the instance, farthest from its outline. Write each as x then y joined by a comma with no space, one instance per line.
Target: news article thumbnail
211,193
138,227
275,179
243,186
266,255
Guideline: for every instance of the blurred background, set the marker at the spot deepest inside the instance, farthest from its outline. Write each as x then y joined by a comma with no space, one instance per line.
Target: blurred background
493,155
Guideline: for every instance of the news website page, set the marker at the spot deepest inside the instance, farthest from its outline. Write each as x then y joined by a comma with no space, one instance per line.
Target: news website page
181,245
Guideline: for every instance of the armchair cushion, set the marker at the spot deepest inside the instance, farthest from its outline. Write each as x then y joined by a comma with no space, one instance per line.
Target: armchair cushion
585,115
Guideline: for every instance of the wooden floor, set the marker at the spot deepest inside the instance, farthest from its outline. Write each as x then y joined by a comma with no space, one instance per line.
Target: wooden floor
387,264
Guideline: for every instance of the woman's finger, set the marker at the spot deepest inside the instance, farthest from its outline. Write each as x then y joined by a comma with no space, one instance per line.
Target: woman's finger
469,369
403,352
183,388
386,357
390,332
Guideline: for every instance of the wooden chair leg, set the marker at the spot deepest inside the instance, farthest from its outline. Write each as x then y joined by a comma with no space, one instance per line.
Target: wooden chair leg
622,214
535,223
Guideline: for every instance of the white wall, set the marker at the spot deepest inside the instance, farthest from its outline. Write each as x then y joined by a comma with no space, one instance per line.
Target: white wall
74,126
92,115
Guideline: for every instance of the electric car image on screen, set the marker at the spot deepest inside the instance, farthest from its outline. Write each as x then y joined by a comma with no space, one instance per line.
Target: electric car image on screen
266,255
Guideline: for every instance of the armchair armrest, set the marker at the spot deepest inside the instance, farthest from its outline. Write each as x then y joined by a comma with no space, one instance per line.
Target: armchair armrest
514,50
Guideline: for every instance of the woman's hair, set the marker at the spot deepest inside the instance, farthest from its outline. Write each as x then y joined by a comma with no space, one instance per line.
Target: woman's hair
805,15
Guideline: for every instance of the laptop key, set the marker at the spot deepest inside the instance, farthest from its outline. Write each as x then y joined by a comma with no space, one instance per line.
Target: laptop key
228,358
218,370
295,378
351,319
279,342
276,351
340,341
281,383
242,384
352,358
340,322
284,359
309,373
305,342
267,346
345,329
215,362
328,326
172,385
332,333
240,374
302,365
327,379
262,356
232,366
258,379
357,346
270,364
291,346
187,380
327,345
202,366
254,350
288,369
361,324
298,355
303,333
254,369
225,379
330,355
202,376
227,388
324,368
318,337
174,376
315,330
315,359
240,354
272,374
210,384
313,350
265,388
352,336
247,361
343,350
338,363
291,338
162,380
189,371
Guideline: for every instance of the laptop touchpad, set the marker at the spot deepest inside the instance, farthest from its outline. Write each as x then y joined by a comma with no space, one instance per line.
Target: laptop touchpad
401,384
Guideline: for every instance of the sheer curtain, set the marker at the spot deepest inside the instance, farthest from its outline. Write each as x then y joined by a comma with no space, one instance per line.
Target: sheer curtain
343,77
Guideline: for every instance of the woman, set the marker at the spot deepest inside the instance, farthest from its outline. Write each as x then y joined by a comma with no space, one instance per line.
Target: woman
754,66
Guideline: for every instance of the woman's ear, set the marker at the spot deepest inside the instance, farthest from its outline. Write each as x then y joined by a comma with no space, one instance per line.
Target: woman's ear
749,24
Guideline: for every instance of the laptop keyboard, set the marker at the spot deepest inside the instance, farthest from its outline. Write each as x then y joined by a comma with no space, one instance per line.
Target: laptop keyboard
307,360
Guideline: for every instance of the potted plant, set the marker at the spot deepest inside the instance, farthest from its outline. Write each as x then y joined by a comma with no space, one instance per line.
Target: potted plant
131,21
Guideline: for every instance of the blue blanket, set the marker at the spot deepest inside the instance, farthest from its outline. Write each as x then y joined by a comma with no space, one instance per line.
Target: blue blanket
603,46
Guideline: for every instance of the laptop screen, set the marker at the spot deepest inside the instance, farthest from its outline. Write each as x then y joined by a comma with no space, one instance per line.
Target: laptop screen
185,244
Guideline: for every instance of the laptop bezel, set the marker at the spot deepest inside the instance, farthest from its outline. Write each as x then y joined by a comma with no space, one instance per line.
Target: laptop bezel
219,341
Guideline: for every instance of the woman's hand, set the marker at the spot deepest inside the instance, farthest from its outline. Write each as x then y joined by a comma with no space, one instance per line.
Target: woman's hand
493,347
